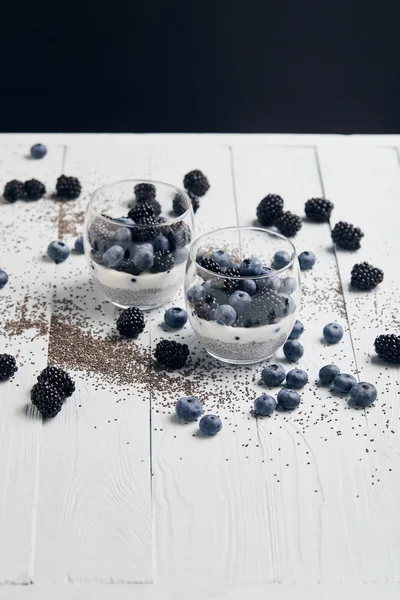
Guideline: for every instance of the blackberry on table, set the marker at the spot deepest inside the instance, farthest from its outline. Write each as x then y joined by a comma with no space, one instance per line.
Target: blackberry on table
68,188
270,209
171,354
8,366
47,398
387,347
163,261
288,224
144,191
145,231
318,209
347,236
34,189
14,190
365,277
196,183
130,322
59,379
210,265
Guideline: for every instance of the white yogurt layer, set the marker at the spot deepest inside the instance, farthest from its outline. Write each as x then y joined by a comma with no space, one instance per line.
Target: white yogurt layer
144,281
228,334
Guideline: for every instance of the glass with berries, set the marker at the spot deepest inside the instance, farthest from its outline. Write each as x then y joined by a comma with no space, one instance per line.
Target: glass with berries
135,242
242,291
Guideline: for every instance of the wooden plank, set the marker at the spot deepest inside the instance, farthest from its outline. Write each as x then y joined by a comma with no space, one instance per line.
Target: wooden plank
365,186
94,518
25,306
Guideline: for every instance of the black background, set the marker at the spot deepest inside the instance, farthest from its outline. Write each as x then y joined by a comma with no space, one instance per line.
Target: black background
182,66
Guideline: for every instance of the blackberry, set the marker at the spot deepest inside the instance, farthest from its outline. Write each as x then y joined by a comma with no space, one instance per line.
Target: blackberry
179,205
205,310
128,266
270,209
347,236
163,261
265,308
171,354
144,191
196,183
68,188
14,190
34,189
232,285
210,265
47,398
101,233
387,347
8,366
365,276
141,212
318,209
145,231
131,322
58,379
288,224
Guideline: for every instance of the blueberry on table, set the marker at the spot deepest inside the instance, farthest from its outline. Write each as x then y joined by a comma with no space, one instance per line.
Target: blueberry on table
113,256
239,301
328,373
288,399
225,315
296,379
188,408
210,424
343,383
281,259
250,267
293,350
175,317
363,394
273,375
3,278
333,333
306,260
78,246
38,151
58,251
264,405
297,330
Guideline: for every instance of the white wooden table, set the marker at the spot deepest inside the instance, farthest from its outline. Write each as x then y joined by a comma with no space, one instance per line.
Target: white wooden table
113,498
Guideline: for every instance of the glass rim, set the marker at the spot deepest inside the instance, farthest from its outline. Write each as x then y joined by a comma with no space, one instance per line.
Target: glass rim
133,180
241,228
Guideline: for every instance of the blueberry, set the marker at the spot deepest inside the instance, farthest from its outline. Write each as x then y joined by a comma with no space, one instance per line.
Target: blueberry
225,315
297,330
343,383
306,260
113,256
78,246
273,375
221,258
250,267
281,259
122,235
296,379
3,278
288,285
273,282
196,293
249,286
265,270
264,405
161,244
239,300
288,399
328,373
58,251
188,409
363,394
180,255
144,257
287,306
293,350
333,333
38,151
210,424
175,317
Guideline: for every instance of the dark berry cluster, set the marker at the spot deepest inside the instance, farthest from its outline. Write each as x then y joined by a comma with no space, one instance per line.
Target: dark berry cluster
196,185
269,210
365,277
130,322
171,354
318,209
68,188
288,224
347,236
54,385
387,347
8,366
17,190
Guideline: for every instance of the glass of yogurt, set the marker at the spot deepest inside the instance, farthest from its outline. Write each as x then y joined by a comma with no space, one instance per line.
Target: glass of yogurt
242,291
137,238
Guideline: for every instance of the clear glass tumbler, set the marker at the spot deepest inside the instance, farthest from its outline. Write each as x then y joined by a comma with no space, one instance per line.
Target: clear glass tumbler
239,304
137,238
